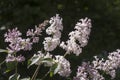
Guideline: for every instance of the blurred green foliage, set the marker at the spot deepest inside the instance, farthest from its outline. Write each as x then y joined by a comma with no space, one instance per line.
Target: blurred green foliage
105,15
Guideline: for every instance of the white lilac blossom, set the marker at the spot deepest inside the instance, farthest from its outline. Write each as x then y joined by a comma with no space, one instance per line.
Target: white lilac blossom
110,65
81,34
71,46
50,43
63,66
11,58
55,25
87,72
16,43
54,30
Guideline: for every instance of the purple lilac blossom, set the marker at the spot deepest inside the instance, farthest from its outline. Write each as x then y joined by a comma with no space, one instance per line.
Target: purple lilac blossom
87,72
16,43
11,58
110,65
35,33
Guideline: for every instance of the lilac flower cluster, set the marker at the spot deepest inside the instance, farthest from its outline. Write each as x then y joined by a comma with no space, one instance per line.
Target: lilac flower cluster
81,34
87,72
11,58
35,33
58,63
54,30
16,42
63,66
110,65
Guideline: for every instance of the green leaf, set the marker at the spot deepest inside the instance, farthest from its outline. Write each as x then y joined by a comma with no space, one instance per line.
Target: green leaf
3,50
57,68
54,69
11,65
2,63
33,60
7,71
48,59
51,74
45,60
14,77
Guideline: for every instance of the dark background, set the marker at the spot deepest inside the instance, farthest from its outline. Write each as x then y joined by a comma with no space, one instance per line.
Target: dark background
105,16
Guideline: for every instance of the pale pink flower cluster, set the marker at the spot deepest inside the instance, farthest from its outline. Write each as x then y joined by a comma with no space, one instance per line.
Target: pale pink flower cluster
77,40
63,66
81,34
34,34
54,30
87,72
11,58
16,42
110,65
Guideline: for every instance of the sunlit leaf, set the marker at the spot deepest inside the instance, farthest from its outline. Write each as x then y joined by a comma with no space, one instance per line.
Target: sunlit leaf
3,50
54,69
57,68
33,60
14,77
51,74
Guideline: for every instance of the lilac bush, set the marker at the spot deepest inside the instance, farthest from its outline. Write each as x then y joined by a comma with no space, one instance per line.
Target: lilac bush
58,64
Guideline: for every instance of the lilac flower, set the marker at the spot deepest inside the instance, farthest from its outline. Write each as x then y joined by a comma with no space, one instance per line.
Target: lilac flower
84,28
11,58
12,35
87,72
50,43
16,43
54,30
35,40
81,34
26,44
35,33
71,46
56,25
30,32
38,29
63,66
110,65
20,58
